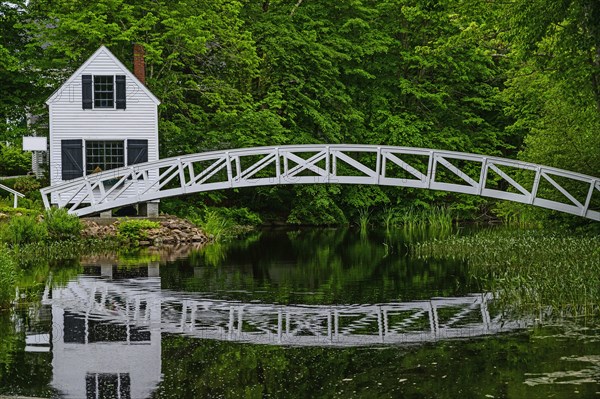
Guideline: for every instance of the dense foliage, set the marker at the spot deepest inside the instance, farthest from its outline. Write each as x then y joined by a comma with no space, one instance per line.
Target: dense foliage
519,78
23,229
7,278
61,225
13,161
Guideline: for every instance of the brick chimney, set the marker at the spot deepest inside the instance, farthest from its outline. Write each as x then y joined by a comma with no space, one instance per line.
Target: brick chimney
139,66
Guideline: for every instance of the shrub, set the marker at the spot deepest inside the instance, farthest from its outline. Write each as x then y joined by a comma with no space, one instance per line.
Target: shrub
133,230
13,161
7,278
26,185
61,225
240,216
24,230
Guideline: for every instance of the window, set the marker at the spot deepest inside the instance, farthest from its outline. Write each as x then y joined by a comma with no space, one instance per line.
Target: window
103,155
104,91
100,155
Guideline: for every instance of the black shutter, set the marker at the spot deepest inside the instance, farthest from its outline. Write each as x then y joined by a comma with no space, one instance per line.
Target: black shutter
137,151
86,91
120,83
72,159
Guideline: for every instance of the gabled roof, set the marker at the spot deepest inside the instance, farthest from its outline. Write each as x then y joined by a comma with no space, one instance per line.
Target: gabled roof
90,60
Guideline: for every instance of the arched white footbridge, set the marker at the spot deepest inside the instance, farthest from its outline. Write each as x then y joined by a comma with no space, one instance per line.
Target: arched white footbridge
563,190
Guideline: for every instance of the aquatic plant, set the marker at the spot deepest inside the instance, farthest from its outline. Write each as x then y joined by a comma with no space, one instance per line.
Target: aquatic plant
436,217
363,219
529,269
387,217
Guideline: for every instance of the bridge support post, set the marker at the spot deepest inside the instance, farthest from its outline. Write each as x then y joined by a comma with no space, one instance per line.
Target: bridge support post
148,209
106,214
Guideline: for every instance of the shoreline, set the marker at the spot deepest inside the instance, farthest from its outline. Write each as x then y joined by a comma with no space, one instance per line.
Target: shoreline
172,231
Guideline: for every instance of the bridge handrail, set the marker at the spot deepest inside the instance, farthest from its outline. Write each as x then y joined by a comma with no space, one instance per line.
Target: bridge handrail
164,162
15,193
152,180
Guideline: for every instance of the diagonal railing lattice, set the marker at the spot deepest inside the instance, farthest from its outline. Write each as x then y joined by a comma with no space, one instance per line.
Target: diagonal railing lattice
494,177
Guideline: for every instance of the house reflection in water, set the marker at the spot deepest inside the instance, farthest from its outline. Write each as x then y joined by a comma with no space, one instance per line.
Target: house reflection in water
107,339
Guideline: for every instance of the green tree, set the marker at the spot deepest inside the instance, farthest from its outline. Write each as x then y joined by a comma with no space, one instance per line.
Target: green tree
19,79
553,90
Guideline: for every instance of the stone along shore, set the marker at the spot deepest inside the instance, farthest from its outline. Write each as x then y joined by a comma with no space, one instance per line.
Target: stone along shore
172,231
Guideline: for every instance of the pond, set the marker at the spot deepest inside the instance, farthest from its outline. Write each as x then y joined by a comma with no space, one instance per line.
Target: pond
287,314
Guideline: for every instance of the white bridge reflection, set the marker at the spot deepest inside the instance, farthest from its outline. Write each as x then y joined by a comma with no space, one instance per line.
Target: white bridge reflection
107,329
139,304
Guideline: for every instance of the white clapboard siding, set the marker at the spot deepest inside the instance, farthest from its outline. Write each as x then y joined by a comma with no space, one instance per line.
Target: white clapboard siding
68,119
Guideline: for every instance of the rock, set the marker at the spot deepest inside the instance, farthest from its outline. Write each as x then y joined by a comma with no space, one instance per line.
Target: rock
171,231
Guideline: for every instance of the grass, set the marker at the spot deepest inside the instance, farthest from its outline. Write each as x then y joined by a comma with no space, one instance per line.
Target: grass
529,269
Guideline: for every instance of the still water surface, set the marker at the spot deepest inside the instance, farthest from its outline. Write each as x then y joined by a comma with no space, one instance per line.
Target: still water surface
311,313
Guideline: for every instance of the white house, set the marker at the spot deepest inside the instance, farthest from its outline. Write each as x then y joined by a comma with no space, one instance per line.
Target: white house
103,117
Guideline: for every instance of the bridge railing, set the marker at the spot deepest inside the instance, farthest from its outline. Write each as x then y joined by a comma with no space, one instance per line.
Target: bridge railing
322,163
16,194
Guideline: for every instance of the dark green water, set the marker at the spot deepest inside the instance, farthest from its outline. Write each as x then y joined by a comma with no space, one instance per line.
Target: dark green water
313,313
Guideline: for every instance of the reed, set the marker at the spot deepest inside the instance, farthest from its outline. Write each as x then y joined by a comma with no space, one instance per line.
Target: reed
530,269
438,217
388,218
363,219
